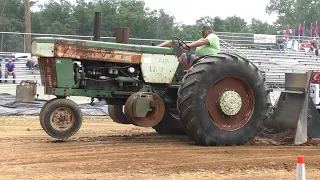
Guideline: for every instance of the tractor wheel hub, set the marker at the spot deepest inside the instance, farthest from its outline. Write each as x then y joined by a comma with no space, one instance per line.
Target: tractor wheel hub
230,102
62,119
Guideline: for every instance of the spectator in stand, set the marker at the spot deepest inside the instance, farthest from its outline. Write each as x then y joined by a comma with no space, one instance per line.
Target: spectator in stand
32,64
29,64
10,68
280,44
314,47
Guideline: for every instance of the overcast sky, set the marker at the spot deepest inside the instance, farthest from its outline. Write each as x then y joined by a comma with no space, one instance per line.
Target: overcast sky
189,12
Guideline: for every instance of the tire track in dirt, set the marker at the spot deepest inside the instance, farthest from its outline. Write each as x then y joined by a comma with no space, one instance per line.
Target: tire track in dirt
90,152
119,152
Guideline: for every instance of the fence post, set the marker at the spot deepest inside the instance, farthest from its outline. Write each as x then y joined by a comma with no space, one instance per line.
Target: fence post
1,45
27,41
24,42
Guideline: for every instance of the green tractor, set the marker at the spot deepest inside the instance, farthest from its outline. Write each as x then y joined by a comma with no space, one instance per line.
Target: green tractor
221,100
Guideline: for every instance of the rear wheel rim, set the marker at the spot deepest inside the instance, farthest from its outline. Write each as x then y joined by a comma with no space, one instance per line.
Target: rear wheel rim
230,103
153,117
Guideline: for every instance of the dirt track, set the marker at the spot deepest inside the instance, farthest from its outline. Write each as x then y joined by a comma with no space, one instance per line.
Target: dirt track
105,150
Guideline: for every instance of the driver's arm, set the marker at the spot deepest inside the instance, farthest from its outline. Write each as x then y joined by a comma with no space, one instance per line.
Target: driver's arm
165,44
198,43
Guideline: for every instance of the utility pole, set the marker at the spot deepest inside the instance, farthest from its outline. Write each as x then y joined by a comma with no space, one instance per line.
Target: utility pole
27,37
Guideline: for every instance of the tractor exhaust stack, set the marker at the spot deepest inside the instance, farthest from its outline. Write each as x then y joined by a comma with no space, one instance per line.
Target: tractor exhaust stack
97,26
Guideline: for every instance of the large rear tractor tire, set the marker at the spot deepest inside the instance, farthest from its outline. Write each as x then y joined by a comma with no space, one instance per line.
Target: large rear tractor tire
170,124
222,101
61,118
117,115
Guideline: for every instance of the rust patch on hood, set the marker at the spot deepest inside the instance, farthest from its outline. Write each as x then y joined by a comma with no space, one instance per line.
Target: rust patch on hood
79,51
48,71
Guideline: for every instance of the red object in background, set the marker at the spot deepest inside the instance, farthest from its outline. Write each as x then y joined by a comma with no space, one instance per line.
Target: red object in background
294,32
287,31
315,78
307,44
316,33
310,30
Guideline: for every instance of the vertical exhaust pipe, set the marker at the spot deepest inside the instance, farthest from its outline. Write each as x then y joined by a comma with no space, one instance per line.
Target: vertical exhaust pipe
97,26
122,35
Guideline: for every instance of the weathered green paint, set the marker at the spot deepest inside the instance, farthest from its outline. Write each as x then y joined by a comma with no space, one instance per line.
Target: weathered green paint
65,77
100,93
105,45
159,91
156,49
178,76
127,79
78,92
146,88
64,68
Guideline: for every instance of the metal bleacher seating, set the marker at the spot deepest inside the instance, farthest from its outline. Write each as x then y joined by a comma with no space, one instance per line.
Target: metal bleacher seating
22,73
275,64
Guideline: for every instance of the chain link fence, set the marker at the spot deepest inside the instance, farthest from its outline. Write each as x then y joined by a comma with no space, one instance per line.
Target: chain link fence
11,42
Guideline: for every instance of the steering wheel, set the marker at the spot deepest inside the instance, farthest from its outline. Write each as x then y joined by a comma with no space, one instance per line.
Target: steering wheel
182,45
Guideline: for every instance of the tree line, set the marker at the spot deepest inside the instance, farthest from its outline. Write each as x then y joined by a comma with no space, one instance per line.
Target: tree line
62,17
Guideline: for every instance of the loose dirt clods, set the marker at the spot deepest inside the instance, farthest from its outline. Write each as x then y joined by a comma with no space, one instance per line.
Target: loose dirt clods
105,150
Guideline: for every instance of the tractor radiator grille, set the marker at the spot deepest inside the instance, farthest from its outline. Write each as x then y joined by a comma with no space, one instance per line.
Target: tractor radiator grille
48,71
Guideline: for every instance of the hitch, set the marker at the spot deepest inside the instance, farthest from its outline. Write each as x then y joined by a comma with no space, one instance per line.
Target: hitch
295,109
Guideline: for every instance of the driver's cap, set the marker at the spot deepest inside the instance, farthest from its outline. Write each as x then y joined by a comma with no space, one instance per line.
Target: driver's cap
206,28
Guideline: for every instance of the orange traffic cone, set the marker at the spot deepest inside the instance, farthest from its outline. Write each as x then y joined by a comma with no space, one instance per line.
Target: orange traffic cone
300,171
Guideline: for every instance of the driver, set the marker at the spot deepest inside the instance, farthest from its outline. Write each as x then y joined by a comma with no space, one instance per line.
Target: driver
209,44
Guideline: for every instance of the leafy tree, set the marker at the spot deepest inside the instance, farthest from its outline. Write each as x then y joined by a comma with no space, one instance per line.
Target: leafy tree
235,24
294,12
84,14
258,27
164,25
58,18
62,17
12,15
219,24
205,21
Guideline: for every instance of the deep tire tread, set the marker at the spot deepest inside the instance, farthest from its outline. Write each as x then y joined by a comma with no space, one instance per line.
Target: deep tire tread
187,95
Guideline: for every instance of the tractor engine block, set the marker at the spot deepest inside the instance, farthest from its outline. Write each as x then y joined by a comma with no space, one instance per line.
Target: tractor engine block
99,75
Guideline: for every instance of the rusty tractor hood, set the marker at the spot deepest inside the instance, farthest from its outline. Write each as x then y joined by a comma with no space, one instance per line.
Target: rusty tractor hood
93,50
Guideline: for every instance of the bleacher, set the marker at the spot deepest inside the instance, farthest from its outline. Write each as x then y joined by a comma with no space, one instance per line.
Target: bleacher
22,74
276,64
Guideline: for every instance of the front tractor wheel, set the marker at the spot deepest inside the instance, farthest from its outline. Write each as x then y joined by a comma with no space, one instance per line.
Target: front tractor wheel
61,118
222,101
